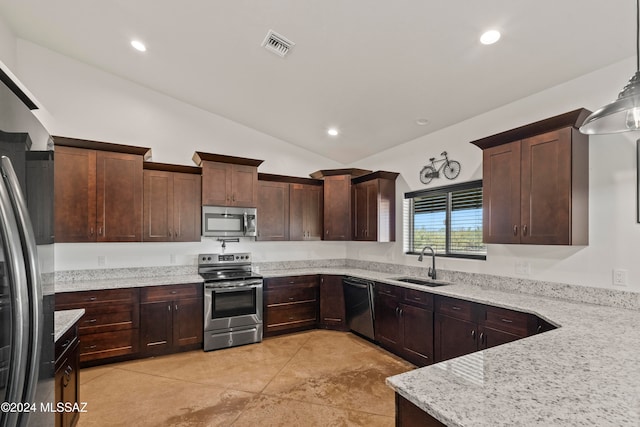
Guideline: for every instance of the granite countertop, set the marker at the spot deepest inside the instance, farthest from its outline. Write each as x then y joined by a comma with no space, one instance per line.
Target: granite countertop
126,282
63,320
586,372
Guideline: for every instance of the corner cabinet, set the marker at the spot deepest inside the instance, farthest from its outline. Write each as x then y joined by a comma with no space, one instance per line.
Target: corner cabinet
97,191
536,183
172,206
228,180
374,207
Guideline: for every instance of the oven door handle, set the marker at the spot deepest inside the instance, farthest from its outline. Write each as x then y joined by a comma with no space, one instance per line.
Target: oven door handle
220,289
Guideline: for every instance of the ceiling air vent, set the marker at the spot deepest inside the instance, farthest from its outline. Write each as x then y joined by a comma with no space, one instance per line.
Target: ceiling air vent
277,43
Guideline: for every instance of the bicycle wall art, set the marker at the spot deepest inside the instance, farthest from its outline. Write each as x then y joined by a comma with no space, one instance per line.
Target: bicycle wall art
450,169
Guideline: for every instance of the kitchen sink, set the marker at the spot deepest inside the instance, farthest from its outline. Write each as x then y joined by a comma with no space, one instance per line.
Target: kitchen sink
423,282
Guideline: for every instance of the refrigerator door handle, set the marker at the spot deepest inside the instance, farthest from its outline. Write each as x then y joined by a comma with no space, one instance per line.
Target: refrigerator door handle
34,285
17,278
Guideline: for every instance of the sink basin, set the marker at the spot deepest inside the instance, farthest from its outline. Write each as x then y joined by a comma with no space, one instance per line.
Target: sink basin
418,281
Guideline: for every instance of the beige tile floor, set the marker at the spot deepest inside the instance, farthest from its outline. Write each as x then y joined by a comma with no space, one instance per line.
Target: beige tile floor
315,378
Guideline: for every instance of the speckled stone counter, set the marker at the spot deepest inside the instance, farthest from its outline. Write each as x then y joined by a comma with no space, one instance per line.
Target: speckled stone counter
586,372
63,320
125,282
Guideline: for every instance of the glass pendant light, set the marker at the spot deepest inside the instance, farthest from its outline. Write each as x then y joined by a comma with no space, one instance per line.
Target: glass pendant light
623,114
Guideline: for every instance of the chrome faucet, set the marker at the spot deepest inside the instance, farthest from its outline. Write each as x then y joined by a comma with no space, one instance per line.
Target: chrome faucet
432,269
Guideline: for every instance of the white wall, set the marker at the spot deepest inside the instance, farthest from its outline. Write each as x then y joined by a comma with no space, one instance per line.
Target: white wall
7,44
613,232
83,102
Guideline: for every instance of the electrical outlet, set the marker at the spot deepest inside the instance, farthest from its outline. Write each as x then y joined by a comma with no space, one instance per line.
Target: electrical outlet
620,277
102,260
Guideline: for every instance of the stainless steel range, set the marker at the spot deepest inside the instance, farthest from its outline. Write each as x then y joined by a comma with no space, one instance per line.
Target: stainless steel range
232,300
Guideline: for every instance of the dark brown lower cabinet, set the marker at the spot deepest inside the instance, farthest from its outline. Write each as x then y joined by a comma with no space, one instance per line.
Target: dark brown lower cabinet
171,318
454,337
290,304
332,309
404,322
409,415
67,383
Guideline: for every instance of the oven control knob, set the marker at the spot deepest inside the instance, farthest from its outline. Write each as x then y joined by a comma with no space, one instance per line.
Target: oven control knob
237,257
208,258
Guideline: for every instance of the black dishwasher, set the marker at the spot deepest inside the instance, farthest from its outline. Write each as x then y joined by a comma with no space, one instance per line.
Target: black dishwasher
358,300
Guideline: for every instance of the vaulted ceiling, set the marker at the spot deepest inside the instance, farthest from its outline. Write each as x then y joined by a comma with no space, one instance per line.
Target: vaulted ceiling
371,68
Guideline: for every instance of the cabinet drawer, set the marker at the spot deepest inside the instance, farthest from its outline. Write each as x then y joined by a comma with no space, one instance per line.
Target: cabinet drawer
453,307
302,281
292,316
171,292
108,317
290,295
108,344
506,320
66,342
423,299
391,290
82,298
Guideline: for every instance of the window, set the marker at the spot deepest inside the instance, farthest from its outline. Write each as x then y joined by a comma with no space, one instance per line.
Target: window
447,218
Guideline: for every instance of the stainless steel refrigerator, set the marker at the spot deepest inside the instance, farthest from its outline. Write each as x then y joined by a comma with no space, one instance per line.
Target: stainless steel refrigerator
26,262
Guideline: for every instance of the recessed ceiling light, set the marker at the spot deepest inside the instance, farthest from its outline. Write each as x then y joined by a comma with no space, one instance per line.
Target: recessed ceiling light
333,132
490,37
422,122
138,45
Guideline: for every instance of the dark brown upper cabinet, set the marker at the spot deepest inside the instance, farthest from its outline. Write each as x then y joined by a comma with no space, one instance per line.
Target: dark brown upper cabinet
536,183
172,206
228,180
98,191
337,201
374,203
289,208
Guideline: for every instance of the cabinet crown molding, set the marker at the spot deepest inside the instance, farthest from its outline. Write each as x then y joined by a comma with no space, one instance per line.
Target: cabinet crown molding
572,119
64,141
354,172
199,157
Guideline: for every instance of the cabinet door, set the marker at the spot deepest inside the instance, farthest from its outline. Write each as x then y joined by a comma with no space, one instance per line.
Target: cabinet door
273,211
337,207
244,185
306,212
313,212
187,321
332,309
387,325
157,206
118,197
40,202
501,194
546,189
67,387
297,209
490,337
453,337
216,184
365,213
156,327
417,334
187,208
75,195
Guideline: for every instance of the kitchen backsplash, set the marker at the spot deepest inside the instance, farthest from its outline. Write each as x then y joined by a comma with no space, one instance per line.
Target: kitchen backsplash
584,294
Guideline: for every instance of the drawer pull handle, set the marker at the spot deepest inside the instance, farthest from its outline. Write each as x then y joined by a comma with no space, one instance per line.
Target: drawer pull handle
455,307
91,321
417,298
174,292
291,298
92,298
66,344
292,282
90,347
290,317
506,320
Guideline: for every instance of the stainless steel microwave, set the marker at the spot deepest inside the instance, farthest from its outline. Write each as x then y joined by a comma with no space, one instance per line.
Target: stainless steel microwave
221,221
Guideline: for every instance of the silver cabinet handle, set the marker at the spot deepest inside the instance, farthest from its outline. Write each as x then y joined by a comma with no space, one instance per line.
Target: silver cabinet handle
515,230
